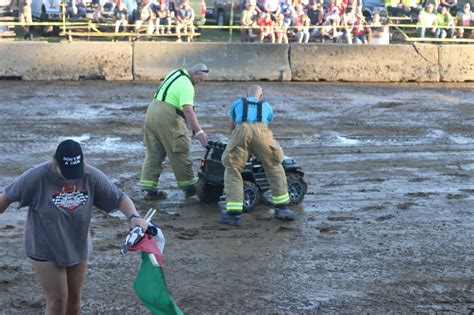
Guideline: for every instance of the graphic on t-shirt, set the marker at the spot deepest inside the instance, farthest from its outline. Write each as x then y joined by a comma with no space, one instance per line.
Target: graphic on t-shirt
70,197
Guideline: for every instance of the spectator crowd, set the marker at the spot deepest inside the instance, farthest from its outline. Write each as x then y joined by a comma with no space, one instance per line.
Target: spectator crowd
276,21
344,21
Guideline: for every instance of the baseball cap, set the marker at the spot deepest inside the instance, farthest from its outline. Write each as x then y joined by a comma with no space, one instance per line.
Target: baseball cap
70,159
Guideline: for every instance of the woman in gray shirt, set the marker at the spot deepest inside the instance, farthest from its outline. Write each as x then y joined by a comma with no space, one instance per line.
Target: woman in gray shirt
60,195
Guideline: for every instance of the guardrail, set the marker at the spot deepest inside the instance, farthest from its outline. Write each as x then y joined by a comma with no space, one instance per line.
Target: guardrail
89,29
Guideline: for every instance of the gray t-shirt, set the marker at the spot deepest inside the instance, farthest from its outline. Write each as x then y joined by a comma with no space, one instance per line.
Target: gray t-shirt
58,222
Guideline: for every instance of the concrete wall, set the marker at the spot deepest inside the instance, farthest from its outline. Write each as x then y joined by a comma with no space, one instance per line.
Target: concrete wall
227,62
238,62
66,61
456,63
364,63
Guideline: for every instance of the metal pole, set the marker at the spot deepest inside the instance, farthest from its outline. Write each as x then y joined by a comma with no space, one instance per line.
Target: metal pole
63,11
231,22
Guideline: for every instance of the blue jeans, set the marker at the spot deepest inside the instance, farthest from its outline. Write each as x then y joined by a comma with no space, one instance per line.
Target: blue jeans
446,32
423,30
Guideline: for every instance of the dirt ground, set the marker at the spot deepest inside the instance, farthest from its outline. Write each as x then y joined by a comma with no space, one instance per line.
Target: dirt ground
387,225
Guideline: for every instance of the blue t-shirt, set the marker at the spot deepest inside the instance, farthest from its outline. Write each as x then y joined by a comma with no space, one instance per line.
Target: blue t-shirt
237,107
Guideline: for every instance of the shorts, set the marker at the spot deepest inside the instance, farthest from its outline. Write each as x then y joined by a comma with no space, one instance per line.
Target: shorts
36,259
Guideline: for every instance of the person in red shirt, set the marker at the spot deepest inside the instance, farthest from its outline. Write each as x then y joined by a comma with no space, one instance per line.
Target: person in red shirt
266,27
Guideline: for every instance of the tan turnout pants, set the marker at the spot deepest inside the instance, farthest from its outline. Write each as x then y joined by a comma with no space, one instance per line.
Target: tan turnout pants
258,139
165,134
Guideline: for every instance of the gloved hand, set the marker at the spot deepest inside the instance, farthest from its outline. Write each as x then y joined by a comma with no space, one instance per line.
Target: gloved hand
202,137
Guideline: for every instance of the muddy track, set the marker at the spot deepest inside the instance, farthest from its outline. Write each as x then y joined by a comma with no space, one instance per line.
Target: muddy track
387,224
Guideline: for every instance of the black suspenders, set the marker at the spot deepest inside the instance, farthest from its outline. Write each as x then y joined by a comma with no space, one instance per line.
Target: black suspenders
245,110
246,103
165,92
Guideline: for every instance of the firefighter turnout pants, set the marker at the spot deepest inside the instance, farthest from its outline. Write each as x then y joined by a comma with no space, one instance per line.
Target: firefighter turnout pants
258,139
165,134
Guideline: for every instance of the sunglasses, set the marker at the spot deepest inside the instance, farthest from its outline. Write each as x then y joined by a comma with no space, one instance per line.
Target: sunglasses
205,71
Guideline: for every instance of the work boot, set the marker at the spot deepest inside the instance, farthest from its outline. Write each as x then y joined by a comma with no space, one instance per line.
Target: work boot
230,217
282,212
155,195
189,191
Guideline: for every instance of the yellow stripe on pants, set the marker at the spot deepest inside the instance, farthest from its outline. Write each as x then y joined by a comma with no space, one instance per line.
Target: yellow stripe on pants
258,139
165,135
281,200
235,206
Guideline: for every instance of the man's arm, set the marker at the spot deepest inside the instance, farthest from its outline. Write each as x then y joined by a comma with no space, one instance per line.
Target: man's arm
193,122
4,202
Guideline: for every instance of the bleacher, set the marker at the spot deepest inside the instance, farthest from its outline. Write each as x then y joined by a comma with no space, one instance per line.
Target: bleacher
7,31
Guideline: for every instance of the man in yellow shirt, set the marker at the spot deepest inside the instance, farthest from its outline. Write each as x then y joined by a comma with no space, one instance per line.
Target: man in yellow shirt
428,22
166,134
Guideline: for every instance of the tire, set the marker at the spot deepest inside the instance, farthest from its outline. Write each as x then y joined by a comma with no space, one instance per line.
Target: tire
251,196
297,188
207,193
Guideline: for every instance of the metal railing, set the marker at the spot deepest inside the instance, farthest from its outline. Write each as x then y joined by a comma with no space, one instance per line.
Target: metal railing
91,29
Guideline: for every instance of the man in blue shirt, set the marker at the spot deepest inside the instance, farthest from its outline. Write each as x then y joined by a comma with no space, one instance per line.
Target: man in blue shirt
250,117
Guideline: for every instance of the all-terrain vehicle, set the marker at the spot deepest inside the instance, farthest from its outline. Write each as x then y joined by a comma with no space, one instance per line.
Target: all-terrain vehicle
210,186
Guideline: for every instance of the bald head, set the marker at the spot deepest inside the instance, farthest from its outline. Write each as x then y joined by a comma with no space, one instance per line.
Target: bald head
198,72
255,91
200,67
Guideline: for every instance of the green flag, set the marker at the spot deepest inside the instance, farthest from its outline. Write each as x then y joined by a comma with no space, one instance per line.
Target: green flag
151,288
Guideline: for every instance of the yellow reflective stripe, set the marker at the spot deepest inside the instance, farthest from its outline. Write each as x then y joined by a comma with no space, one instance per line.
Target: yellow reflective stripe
184,183
235,206
148,183
281,199
235,203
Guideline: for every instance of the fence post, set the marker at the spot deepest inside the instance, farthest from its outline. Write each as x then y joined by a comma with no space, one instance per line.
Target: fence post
231,22
63,11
